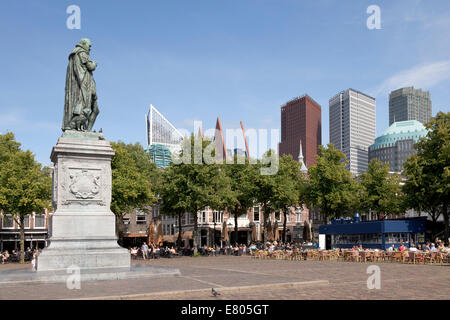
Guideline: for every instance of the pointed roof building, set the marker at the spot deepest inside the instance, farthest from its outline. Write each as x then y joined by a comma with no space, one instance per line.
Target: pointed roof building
219,141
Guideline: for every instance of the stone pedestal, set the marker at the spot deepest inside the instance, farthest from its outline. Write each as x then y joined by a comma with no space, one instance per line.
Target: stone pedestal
82,228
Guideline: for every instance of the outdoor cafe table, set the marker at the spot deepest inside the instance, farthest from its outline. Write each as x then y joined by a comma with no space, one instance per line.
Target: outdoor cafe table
347,254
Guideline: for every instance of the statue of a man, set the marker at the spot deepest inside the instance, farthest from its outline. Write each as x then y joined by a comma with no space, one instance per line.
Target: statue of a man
80,105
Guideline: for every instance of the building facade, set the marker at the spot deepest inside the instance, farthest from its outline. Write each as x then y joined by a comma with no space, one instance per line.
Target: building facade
409,104
353,127
211,225
36,231
396,144
162,137
301,120
378,234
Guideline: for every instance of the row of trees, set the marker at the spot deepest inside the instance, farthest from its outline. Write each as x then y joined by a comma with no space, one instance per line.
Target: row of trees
25,186
189,187
423,185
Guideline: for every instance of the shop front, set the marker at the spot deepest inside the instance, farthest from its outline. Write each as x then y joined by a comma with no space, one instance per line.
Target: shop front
378,234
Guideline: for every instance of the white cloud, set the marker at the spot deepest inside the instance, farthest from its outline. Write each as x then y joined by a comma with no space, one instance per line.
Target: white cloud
421,76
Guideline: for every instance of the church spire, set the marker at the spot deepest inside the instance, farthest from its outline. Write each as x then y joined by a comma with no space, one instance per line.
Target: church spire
300,159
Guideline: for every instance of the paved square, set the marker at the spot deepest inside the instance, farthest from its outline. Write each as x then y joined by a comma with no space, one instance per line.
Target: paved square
275,279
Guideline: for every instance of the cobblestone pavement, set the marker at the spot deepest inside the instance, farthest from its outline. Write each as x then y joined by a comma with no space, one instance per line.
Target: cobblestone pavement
347,280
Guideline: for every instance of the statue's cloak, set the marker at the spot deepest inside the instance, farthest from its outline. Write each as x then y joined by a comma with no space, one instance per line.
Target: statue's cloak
80,85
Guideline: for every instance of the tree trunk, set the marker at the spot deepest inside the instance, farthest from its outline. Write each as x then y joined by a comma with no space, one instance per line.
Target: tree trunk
236,228
433,227
119,228
284,224
194,233
446,221
179,230
214,232
22,239
265,225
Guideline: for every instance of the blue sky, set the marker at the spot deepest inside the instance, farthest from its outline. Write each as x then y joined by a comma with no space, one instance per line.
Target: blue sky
199,59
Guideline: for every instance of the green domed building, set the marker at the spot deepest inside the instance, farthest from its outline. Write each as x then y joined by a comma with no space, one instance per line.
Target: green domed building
396,144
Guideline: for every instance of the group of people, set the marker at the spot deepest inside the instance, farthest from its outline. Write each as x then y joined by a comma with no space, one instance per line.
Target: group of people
4,256
428,247
247,249
152,251
14,256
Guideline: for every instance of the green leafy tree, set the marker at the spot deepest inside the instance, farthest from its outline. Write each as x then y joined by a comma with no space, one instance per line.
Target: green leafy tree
428,172
169,189
416,191
380,190
288,187
331,186
198,180
25,187
241,177
133,181
265,186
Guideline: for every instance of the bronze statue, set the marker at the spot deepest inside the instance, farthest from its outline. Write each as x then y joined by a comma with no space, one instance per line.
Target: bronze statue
80,105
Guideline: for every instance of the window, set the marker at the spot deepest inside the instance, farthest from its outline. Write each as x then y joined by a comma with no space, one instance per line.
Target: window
8,221
141,218
255,213
218,216
39,221
26,221
298,215
202,217
126,220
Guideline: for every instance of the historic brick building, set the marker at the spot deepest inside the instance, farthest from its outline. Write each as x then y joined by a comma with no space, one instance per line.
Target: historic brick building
36,231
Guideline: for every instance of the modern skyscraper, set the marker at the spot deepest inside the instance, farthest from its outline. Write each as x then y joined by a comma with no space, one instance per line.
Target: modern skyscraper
352,126
409,104
162,137
396,144
161,131
301,121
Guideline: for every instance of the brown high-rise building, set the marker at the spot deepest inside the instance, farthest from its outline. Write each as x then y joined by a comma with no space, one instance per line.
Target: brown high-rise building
301,121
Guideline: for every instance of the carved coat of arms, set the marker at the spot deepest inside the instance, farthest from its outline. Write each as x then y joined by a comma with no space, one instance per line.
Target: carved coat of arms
84,184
